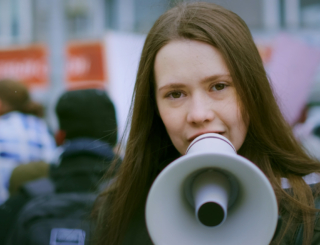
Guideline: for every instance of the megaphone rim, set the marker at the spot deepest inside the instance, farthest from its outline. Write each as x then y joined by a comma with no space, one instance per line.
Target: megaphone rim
174,172
212,136
205,154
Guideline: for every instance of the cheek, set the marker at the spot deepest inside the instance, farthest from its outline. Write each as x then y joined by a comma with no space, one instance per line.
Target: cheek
240,129
236,124
170,120
174,124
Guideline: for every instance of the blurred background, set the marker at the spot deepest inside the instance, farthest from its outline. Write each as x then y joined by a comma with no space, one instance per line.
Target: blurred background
53,45
48,47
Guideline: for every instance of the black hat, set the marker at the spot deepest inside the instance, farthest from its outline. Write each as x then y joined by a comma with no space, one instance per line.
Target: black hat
87,113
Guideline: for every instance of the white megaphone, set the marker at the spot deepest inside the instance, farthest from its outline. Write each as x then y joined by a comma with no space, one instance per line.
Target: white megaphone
211,195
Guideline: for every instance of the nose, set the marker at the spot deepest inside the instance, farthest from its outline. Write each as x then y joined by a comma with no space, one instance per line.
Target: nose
200,111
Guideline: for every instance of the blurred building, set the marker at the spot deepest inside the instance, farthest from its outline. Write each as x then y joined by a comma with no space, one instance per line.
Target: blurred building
27,21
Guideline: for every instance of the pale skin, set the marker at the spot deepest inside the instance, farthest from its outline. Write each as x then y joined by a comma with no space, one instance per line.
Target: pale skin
195,94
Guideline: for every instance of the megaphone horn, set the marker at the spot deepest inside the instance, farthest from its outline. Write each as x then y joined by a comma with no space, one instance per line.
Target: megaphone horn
211,195
211,191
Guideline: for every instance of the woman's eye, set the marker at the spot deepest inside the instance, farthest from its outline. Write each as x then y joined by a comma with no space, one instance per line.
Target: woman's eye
175,95
219,86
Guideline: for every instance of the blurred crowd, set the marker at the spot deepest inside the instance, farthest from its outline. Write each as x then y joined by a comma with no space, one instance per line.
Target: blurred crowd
66,166
307,129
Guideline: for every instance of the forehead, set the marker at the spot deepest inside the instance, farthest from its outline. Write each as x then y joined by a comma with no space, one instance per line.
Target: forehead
188,60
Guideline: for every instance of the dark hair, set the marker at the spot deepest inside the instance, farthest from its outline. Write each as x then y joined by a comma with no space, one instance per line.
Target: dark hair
269,143
87,113
16,97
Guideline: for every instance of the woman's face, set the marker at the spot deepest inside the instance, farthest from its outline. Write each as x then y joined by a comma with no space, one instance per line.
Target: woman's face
195,94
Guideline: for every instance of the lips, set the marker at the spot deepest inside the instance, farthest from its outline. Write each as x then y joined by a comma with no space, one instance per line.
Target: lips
190,139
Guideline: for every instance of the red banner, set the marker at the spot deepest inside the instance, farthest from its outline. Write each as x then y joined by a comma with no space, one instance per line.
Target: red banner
85,62
85,65
28,65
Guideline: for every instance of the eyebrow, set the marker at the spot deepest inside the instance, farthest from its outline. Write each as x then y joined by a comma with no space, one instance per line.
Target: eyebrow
205,80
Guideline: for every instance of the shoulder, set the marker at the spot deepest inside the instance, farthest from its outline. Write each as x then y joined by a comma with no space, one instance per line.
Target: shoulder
9,118
9,213
137,232
316,235
295,234
317,222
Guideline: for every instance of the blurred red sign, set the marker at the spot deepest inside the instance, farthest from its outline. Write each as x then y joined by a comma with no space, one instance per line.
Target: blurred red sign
85,65
265,52
28,65
85,62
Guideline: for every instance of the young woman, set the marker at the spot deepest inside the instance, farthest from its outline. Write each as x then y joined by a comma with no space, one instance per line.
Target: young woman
200,72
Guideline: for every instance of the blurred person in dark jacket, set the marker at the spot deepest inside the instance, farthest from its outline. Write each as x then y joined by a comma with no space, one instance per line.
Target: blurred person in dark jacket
24,135
87,133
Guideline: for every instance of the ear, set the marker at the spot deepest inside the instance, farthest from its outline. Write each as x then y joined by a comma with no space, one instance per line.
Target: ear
4,107
60,137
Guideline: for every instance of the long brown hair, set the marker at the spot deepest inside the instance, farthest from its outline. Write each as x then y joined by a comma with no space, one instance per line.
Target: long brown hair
269,143
15,96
